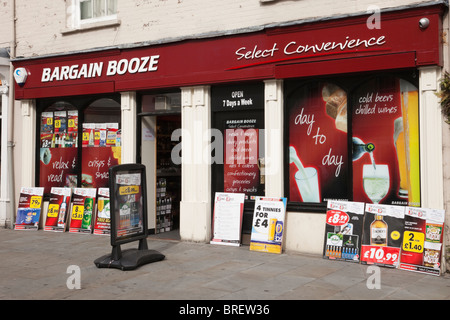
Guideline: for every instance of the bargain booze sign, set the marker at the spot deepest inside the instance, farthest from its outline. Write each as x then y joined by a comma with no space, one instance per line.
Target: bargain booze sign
321,48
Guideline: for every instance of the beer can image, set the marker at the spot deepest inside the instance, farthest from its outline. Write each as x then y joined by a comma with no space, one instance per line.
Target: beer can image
272,224
279,231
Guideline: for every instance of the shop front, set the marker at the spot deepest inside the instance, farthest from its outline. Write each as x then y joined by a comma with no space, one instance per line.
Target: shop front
311,112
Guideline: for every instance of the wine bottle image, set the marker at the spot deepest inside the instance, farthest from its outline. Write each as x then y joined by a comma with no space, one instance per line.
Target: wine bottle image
378,231
359,148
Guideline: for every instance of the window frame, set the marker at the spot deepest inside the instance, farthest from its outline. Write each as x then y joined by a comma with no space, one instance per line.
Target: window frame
81,104
350,83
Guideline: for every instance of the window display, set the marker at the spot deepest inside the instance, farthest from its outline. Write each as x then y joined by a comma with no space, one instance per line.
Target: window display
69,131
379,132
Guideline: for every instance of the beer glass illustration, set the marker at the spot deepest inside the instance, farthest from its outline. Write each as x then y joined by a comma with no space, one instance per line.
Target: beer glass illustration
376,181
307,179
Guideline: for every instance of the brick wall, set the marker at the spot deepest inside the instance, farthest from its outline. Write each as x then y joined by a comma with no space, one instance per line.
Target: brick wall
40,23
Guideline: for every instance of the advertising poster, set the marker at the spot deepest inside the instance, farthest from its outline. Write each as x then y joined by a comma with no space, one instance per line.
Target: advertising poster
343,230
129,205
58,157
318,153
385,134
241,171
382,234
83,204
422,240
58,167
29,209
102,223
58,209
227,218
96,163
268,225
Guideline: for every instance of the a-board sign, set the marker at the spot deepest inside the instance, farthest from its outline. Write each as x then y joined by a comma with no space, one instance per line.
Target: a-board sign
102,224
128,207
227,218
29,209
268,225
58,209
343,230
422,240
83,204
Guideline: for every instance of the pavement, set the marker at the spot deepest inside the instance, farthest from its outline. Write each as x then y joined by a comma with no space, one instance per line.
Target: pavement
43,265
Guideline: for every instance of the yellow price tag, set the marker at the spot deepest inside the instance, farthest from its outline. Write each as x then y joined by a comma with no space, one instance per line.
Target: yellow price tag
85,136
53,210
35,202
71,123
77,212
57,123
413,241
49,121
128,190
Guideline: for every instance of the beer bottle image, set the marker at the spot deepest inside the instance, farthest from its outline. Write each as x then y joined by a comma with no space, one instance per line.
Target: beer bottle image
378,231
88,207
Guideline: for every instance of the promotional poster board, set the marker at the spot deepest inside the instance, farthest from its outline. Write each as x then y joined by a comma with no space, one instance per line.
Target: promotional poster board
268,225
102,223
422,240
343,230
58,153
385,114
29,209
382,234
227,218
318,151
127,203
58,209
83,204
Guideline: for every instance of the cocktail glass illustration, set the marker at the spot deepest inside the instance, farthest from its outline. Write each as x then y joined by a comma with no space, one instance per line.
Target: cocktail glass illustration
376,181
307,179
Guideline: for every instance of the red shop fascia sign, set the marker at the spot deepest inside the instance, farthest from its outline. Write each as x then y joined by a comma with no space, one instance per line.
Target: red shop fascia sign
322,48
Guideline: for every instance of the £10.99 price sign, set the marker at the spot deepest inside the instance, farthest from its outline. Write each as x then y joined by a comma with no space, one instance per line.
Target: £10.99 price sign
380,255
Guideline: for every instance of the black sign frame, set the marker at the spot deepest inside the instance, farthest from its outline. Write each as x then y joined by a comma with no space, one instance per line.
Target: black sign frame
116,200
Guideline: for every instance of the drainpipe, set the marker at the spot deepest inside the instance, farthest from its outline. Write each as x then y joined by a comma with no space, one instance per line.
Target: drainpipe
10,143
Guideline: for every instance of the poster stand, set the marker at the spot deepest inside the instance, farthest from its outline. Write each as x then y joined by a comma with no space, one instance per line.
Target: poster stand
127,188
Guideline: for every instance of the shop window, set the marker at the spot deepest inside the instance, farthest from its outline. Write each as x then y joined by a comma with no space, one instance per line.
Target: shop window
58,156
101,142
78,144
353,140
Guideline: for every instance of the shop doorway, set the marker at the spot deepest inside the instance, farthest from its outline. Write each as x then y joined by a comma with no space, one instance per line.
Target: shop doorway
163,172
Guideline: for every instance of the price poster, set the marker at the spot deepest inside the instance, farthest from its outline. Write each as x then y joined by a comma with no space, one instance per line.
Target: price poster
227,219
382,234
102,223
58,209
422,240
129,205
268,225
29,209
343,230
83,204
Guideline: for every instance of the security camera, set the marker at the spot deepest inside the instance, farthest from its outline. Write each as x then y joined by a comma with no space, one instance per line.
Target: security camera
424,23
